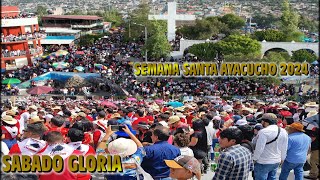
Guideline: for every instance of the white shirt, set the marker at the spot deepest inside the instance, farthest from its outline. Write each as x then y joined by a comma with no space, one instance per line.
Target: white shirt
186,151
210,133
23,121
274,152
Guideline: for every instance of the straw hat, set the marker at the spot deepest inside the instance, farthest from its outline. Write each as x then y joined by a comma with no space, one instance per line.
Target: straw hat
311,104
247,109
173,119
223,114
56,108
35,119
82,114
312,113
115,115
9,120
10,113
297,126
123,147
33,107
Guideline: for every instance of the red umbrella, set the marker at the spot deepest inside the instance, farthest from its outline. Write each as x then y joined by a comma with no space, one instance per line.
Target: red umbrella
109,104
80,52
40,90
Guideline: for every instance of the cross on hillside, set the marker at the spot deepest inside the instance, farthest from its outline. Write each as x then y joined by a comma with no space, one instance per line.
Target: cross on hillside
171,18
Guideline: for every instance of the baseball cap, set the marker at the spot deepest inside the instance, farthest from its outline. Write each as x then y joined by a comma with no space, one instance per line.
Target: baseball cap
269,117
187,162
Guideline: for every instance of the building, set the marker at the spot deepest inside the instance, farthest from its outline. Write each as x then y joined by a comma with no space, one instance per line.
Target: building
87,24
20,38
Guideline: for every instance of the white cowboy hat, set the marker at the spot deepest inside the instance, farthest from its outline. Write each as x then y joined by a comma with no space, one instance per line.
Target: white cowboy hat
9,120
312,113
123,147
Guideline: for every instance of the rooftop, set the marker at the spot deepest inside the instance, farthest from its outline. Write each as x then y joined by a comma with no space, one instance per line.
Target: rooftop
9,9
82,17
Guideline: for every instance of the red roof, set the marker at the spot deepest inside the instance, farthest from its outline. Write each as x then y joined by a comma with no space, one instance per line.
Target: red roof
6,9
72,17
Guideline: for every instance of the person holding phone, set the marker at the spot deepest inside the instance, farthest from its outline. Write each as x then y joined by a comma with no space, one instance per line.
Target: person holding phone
131,150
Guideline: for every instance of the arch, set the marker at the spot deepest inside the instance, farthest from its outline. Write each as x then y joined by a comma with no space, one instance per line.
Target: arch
275,49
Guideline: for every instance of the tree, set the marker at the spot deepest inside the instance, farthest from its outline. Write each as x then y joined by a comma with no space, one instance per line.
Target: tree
269,35
76,12
204,29
205,51
265,21
238,44
303,55
307,24
276,57
41,11
233,21
114,17
242,58
157,45
289,23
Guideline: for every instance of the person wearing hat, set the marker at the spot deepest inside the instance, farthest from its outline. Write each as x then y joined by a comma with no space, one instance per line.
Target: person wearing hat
184,167
99,127
175,122
144,135
271,148
31,143
10,130
298,146
131,150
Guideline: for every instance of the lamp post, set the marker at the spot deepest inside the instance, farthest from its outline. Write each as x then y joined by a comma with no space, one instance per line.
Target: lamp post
145,37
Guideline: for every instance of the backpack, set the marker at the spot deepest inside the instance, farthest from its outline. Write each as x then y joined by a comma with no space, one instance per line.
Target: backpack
248,145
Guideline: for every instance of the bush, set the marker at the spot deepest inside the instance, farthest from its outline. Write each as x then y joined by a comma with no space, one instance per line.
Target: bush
205,51
269,35
303,55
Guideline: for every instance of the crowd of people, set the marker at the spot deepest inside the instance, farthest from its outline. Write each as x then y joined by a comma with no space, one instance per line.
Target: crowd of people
21,15
236,138
23,37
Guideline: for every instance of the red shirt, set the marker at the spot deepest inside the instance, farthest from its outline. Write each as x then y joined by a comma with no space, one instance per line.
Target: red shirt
87,138
189,119
15,149
11,132
140,119
89,118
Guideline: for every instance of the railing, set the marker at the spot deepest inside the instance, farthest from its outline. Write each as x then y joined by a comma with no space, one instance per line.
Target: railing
20,53
22,38
19,22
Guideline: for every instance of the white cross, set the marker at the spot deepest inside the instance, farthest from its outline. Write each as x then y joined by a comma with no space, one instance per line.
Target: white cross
171,18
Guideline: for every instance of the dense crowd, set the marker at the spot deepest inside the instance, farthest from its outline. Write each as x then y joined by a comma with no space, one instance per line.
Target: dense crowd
232,138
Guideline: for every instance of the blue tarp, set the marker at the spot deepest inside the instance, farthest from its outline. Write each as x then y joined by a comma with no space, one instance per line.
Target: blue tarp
61,76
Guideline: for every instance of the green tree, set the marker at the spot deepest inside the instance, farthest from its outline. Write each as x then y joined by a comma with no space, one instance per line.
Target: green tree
157,45
303,55
242,58
41,11
205,51
269,35
265,21
89,39
238,44
114,17
289,23
233,21
204,29
308,24
276,57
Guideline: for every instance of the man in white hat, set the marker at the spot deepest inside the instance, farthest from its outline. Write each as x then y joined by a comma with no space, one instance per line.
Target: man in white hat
175,123
10,130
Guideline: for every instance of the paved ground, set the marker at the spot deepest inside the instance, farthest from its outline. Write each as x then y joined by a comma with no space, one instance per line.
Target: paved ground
210,174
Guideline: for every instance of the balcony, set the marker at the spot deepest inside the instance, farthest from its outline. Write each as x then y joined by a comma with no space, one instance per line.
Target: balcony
87,25
19,22
21,39
11,55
